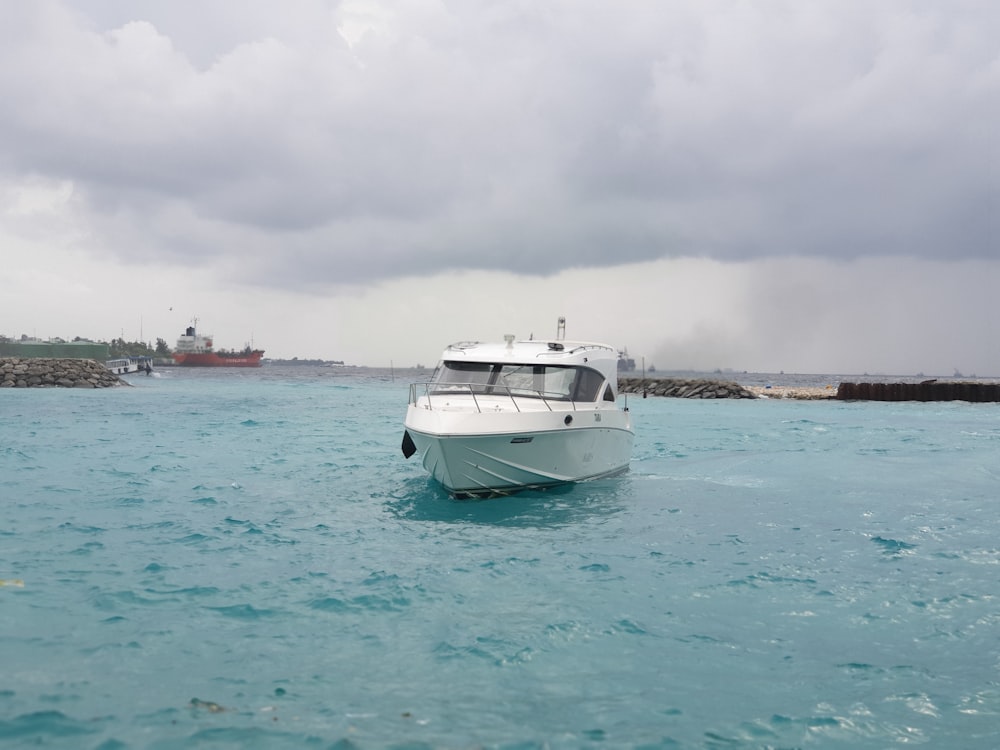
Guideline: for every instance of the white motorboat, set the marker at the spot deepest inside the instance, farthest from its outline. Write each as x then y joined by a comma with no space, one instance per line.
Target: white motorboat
498,418
130,365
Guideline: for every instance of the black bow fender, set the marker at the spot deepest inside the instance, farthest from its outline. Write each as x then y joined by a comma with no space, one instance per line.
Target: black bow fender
408,447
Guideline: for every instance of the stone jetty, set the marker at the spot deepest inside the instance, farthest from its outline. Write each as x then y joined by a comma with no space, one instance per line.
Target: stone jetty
684,388
45,372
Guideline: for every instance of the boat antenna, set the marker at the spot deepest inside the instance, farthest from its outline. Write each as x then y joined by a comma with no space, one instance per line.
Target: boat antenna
561,329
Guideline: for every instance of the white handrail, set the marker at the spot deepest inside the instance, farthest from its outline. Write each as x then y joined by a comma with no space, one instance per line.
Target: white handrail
434,389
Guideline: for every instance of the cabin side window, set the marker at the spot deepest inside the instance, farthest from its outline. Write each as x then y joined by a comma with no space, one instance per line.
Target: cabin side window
588,384
558,382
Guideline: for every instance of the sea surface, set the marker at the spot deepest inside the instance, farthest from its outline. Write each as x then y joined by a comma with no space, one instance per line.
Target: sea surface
244,559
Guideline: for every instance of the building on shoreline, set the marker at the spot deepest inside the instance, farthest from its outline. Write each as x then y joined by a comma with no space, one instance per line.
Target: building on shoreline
53,348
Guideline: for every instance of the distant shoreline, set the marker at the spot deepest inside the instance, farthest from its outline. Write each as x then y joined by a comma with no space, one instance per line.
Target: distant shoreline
931,389
716,388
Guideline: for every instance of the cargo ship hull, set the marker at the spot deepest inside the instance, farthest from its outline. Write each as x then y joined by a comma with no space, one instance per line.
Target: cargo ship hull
213,359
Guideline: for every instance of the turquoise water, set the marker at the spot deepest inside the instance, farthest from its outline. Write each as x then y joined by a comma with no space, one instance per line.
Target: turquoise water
247,561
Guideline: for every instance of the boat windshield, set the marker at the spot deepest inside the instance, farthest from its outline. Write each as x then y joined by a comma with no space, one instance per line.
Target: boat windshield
558,382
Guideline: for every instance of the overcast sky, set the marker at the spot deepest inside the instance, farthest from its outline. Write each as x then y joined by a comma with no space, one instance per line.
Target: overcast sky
764,186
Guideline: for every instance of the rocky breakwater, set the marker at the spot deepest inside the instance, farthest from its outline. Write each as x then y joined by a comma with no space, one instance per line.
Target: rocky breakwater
684,388
44,372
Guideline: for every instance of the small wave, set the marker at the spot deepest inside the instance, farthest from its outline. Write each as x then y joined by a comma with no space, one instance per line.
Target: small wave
243,612
500,652
329,604
626,626
893,546
41,726
246,737
382,603
756,580
195,538
860,667
919,703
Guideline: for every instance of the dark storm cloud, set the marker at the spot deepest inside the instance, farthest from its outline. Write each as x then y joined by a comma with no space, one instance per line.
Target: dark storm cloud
529,139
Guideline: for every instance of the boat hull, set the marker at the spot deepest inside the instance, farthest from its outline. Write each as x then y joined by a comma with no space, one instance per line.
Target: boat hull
478,457
212,359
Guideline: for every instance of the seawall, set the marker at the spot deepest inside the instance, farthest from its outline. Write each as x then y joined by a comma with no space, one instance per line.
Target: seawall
49,372
929,390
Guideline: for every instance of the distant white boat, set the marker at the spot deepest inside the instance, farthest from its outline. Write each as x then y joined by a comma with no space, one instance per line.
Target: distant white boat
130,365
502,417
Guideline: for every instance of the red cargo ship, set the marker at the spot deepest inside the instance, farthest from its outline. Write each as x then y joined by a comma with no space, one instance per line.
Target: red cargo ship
195,350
